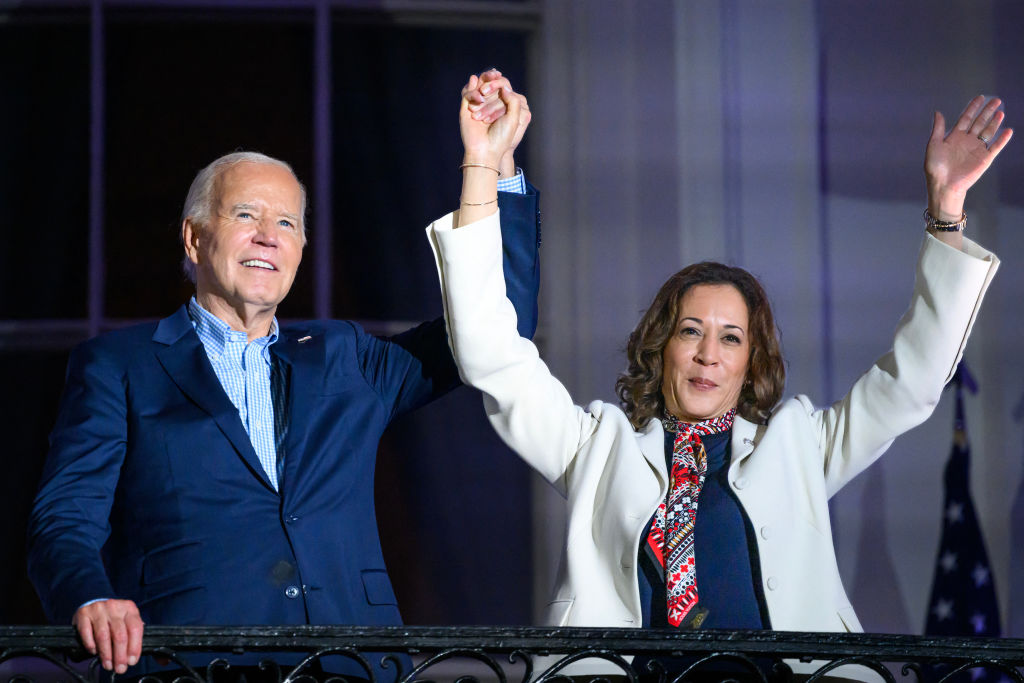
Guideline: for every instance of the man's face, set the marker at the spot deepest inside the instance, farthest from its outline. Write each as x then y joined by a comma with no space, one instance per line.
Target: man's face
246,258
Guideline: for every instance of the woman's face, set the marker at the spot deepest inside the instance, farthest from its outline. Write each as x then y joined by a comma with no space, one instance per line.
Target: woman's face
705,361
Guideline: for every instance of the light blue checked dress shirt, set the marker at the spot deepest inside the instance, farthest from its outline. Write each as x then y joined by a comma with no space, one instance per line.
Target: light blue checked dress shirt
516,184
243,368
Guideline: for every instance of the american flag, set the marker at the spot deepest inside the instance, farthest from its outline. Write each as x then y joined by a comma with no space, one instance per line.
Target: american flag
963,599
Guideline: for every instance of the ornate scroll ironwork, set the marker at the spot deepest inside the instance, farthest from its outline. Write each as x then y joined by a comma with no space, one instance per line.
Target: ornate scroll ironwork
401,654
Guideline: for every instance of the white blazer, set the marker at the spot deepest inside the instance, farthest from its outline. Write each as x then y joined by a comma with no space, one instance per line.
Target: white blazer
783,474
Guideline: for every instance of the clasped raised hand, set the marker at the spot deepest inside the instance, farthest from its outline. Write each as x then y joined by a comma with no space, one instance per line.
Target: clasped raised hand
492,120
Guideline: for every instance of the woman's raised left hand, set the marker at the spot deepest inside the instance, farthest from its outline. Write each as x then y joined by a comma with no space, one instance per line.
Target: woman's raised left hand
954,161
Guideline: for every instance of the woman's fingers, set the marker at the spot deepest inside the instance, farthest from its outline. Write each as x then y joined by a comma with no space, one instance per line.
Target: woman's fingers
996,146
505,129
469,91
481,89
512,101
492,107
985,116
489,89
938,128
963,123
490,112
988,133
484,87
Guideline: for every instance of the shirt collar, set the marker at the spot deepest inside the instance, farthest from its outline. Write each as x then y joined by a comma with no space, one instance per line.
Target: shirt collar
215,333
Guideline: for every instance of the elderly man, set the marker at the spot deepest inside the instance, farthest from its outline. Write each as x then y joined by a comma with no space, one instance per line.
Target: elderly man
217,468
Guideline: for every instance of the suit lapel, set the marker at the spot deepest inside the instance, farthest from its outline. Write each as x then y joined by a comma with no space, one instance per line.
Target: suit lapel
303,354
184,359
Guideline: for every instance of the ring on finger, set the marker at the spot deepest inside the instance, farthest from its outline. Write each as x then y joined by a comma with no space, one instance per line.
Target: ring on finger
981,136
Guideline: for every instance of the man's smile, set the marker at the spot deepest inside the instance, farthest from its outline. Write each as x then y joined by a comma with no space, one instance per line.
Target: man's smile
258,263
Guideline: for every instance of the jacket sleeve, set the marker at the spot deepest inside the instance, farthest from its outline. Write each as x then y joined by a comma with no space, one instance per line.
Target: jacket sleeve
415,367
520,242
530,409
69,523
902,388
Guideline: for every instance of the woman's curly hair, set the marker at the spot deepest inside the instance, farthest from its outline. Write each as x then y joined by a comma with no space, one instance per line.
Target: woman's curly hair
639,387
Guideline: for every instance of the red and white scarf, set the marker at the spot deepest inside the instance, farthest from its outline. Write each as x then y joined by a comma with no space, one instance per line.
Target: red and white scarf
671,535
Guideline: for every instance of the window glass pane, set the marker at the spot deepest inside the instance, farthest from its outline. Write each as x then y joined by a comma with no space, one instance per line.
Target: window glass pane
397,151
183,90
26,418
44,164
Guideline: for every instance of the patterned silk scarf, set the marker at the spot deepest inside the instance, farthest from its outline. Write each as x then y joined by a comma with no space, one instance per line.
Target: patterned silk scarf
671,535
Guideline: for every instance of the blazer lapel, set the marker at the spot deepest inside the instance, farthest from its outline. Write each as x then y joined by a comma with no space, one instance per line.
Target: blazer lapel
303,354
745,436
651,440
184,359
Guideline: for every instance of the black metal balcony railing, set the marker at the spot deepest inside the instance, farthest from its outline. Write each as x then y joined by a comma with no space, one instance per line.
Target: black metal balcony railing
508,655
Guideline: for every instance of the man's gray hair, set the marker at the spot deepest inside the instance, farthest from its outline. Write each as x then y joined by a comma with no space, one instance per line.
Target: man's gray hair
199,202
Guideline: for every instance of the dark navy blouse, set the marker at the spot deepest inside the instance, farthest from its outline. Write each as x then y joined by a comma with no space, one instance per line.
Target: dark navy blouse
725,550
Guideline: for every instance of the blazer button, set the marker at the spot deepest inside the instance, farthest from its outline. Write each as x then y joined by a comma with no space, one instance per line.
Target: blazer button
293,591
766,532
773,583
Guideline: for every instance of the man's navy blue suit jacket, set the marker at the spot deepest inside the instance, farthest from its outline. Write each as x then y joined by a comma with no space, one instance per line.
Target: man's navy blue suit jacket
152,491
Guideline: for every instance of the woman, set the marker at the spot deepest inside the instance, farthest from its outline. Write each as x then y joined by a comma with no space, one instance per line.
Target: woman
700,418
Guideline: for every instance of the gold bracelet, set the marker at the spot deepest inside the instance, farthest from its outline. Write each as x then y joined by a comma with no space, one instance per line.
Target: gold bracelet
945,226
477,203
474,165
